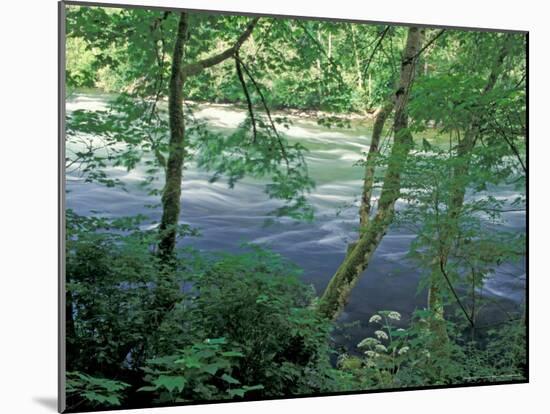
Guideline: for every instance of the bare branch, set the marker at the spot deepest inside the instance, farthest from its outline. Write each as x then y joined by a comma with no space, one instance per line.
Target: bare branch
247,96
264,103
444,273
378,43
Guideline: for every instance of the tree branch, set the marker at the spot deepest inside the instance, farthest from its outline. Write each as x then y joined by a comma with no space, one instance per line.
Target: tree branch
264,103
247,96
380,38
428,44
444,273
196,67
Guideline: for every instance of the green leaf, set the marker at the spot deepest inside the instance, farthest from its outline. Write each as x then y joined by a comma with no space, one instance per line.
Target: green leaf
171,382
229,379
253,387
232,354
211,368
236,392
240,392
147,388
192,362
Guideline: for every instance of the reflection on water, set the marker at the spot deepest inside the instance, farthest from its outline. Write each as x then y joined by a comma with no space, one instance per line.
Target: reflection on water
229,217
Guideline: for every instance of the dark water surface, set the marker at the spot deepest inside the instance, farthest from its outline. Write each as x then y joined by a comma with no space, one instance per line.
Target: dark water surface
227,218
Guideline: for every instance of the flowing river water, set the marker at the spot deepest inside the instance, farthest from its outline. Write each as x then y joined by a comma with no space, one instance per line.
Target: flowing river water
228,217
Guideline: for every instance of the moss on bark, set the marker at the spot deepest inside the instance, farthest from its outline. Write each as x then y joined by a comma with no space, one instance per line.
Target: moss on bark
356,261
174,167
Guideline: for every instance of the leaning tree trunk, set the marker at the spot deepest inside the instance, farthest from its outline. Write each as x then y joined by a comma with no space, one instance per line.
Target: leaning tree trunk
174,167
340,286
370,165
462,161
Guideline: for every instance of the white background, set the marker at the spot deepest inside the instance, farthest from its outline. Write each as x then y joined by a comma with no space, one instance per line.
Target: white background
28,226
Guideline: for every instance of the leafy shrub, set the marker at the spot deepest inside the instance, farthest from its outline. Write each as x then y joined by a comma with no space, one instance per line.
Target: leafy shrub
258,303
121,302
127,310
202,371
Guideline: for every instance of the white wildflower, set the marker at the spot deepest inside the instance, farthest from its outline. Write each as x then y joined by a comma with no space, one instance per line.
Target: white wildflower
381,334
370,354
381,348
375,318
368,342
400,330
371,363
403,350
427,353
394,315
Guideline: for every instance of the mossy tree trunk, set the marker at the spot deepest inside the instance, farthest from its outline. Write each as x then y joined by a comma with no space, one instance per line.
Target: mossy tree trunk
370,165
174,167
171,195
337,293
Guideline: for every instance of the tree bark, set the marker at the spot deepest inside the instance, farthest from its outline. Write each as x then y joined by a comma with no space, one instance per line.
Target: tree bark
174,167
370,165
346,277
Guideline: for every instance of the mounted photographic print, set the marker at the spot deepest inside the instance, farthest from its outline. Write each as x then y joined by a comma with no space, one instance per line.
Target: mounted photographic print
257,207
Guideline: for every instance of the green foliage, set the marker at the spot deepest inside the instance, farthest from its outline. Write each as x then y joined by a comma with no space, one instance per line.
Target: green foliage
202,371
257,302
254,302
80,63
82,388
116,292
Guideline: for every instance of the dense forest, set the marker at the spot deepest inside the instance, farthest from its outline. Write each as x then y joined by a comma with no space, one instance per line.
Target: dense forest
263,207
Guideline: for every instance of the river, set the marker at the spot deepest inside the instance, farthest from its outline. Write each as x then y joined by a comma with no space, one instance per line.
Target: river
227,218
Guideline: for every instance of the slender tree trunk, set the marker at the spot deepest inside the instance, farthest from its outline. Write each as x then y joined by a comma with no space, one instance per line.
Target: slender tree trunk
370,86
450,230
340,286
451,226
356,58
167,287
172,188
174,167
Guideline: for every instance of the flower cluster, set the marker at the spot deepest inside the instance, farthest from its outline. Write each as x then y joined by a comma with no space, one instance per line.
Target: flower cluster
381,334
375,319
368,342
394,315
373,346
403,350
